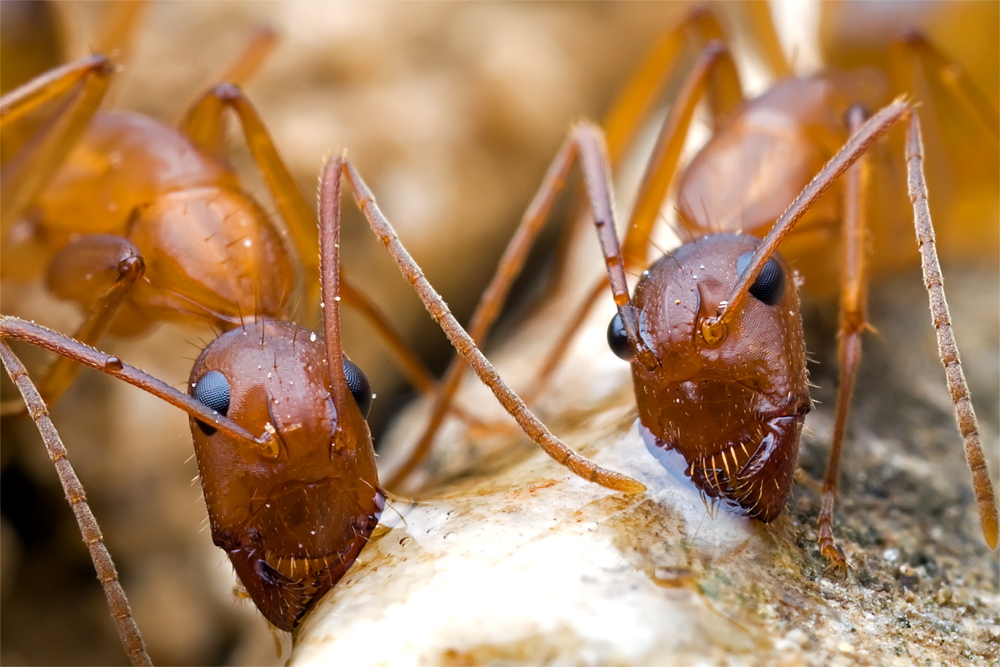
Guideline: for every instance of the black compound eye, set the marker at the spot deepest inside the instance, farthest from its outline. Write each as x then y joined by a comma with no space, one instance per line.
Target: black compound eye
770,284
618,339
360,388
212,389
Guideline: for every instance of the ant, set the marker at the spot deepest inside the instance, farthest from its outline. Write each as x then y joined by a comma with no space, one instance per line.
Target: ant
497,124
144,272
293,506
713,330
140,223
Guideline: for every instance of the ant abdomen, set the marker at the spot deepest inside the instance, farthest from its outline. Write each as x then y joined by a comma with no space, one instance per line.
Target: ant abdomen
733,409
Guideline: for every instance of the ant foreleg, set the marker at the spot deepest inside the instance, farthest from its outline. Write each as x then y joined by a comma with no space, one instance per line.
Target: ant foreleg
83,84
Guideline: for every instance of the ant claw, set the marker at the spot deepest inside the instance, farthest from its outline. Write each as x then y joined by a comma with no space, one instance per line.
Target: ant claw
838,564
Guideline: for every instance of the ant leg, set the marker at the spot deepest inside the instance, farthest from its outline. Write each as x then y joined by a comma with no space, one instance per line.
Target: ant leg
83,84
419,376
965,416
494,296
115,40
239,72
924,59
466,346
573,148
761,23
128,631
253,56
715,70
551,362
636,100
716,62
205,125
961,134
409,363
853,304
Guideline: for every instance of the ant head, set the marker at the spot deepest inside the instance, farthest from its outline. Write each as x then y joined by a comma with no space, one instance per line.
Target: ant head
293,518
309,508
732,406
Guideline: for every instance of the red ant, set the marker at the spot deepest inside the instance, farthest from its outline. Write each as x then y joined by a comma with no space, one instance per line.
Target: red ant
249,265
713,330
140,223
293,506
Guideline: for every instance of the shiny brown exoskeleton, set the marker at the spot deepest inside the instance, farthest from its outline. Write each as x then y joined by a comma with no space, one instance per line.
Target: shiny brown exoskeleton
291,519
718,361
139,222
735,409
294,506
717,354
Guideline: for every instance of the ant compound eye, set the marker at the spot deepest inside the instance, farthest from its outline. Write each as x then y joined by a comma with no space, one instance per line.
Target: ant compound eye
770,284
212,389
618,340
357,382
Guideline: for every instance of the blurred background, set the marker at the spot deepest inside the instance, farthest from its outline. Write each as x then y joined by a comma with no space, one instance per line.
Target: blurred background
451,112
